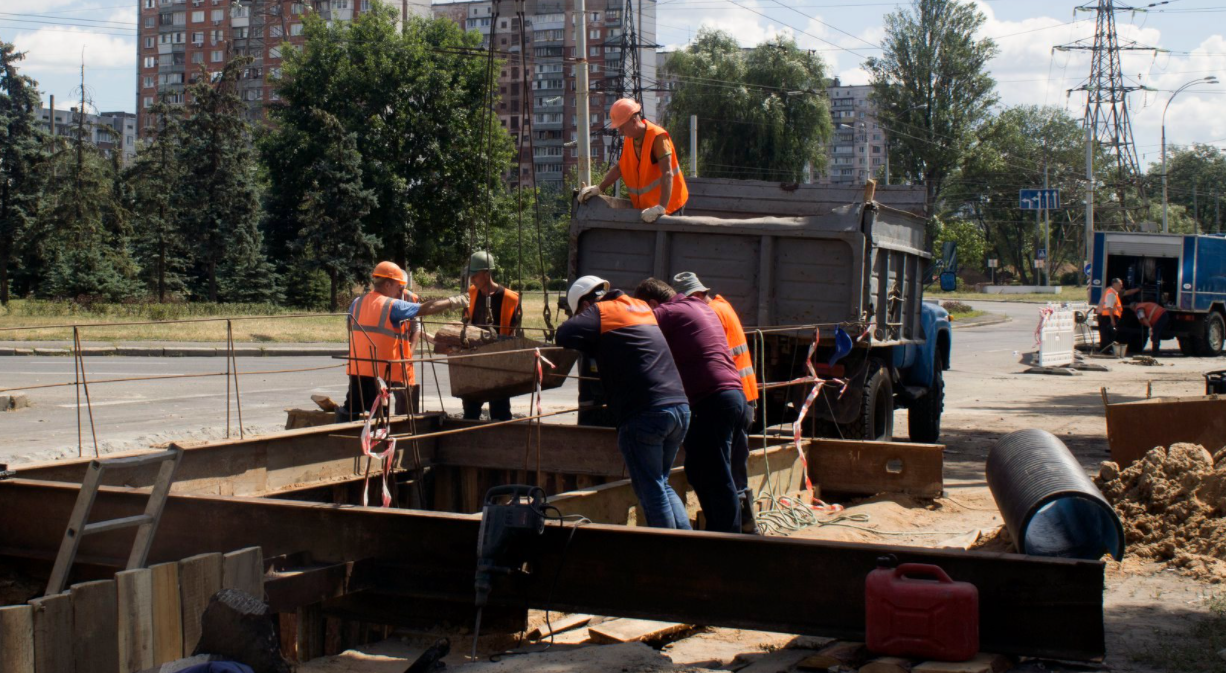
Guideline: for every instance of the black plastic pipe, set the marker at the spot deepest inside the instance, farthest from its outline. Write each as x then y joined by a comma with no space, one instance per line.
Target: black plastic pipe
1049,504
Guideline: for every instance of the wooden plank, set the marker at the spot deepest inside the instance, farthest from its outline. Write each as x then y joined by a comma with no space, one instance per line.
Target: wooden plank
1133,428
834,655
1028,605
199,578
17,639
887,665
981,663
569,449
558,624
614,631
244,570
135,619
95,641
868,468
53,634
167,613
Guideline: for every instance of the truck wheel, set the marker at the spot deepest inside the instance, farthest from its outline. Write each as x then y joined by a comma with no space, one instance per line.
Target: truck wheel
924,417
1208,343
876,421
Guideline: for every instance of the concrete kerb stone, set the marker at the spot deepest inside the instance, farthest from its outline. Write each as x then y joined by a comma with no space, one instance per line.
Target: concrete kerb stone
52,351
982,321
139,351
7,351
13,401
192,352
23,351
100,350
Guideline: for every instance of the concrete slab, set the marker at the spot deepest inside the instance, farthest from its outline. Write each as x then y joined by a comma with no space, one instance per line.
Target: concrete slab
7,351
174,352
23,351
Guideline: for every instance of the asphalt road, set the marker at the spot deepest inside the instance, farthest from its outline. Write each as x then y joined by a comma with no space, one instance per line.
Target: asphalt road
133,415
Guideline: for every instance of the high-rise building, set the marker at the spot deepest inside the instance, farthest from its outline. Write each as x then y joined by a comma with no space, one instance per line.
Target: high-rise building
549,63
179,37
110,131
858,149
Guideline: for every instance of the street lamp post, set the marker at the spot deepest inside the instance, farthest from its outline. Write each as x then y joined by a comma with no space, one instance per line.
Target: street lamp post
1211,79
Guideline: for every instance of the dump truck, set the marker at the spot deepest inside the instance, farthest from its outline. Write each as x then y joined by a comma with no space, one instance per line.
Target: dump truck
799,263
1185,273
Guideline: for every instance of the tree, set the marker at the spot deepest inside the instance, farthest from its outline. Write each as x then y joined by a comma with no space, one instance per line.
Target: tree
331,237
219,194
417,101
762,113
1196,180
153,180
932,88
20,156
1008,153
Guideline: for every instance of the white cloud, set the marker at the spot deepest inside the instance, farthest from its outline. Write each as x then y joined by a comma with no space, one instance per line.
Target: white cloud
62,49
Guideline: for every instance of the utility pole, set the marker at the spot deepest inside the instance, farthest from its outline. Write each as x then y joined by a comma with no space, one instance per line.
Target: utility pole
1195,211
584,114
694,145
1089,193
1047,262
53,116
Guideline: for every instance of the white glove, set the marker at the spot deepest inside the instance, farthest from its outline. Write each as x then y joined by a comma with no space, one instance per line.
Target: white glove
652,214
587,191
460,300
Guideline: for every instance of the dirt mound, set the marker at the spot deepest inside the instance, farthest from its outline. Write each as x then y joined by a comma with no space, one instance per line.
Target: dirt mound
1173,505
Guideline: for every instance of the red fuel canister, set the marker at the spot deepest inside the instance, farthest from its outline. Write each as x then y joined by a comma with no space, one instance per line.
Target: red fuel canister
916,610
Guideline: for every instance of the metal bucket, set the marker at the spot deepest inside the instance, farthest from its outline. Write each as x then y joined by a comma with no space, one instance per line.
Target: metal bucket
497,375
1215,383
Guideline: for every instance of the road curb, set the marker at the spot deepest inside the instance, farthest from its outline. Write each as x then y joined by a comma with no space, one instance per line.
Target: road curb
983,321
176,351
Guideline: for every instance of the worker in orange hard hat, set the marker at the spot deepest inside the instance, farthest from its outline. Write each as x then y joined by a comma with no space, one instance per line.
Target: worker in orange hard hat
409,399
376,338
648,165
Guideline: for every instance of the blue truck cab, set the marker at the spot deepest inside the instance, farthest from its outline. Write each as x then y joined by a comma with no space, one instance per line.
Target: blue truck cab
1185,273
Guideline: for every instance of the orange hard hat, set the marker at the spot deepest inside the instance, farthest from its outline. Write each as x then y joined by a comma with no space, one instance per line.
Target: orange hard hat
389,270
622,111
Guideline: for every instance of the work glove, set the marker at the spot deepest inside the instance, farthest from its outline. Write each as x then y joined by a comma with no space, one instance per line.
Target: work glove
587,191
652,214
459,301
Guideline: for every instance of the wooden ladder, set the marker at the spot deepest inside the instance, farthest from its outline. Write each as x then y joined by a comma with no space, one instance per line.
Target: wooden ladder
147,522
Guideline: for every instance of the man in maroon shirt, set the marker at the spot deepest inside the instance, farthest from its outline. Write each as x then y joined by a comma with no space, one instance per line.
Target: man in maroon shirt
717,398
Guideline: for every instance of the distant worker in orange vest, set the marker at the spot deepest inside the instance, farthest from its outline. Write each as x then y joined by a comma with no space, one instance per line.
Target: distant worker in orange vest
1110,310
496,308
648,165
1155,317
376,337
409,399
688,284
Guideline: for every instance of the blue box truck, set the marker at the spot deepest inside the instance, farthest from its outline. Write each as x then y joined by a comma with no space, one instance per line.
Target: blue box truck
1184,273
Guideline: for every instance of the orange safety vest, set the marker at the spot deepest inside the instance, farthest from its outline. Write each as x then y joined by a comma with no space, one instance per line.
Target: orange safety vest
1116,309
506,320
642,174
370,325
406,345
624,311
1148,312
738,345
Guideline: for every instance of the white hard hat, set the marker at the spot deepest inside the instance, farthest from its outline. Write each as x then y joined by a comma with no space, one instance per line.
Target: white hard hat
583,287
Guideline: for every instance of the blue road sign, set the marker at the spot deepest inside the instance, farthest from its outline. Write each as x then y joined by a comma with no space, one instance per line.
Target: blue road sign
1039,199
1041,253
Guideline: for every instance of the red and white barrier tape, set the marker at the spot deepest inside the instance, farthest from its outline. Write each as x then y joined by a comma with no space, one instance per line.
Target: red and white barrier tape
540,378
380,434
798,424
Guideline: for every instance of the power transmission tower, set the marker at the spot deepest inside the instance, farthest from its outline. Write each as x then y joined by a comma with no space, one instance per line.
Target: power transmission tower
630,76
1107,92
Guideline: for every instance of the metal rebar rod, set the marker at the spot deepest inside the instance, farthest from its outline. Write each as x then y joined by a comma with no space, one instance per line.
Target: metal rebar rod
170,322
85,384
175,376
456,431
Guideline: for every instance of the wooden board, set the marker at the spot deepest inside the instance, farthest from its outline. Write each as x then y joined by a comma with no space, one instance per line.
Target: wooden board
17,639
868,468
559,624
167,613
887,665
1133,428
135,619
614,631
569,449
244,570
981,663
53,634
199,578
95,641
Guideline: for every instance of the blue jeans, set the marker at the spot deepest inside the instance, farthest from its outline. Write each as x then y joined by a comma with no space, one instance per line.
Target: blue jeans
708,458
649,441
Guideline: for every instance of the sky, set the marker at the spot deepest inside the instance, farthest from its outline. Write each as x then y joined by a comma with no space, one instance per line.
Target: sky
1028,71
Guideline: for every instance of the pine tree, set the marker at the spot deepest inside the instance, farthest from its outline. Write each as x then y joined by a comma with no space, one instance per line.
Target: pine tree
20,157
332,209
153,180
219,194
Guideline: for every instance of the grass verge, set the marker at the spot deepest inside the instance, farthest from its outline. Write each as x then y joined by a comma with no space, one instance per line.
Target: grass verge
1070,294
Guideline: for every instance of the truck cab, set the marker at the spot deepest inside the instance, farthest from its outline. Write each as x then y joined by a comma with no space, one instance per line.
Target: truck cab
804,266
1186,274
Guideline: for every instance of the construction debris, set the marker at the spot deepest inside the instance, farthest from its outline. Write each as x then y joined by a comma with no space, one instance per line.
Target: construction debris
634,631
1173,505
1144,361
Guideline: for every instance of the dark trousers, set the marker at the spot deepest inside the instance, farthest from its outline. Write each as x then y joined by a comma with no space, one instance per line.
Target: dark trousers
708,458
1158,331
1106,331
740,468
361,395
500,410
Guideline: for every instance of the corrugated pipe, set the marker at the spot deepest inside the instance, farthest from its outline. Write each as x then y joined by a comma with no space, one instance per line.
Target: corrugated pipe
1049,504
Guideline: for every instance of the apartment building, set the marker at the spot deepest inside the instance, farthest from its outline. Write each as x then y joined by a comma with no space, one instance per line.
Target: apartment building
110,131
858,149
179,37
546,80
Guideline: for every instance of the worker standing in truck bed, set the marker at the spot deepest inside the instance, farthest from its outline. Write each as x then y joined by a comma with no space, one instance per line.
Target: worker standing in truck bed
648,165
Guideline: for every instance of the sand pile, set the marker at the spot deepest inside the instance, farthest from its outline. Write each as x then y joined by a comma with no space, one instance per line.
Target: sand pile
1173,505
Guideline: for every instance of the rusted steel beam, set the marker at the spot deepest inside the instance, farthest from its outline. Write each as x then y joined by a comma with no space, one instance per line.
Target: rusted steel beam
1033,606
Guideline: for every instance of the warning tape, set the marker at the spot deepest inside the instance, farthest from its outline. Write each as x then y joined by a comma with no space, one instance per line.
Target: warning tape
379,435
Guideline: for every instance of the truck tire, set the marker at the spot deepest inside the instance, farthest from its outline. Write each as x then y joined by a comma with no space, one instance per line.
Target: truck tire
1211,333
876,420
924,416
